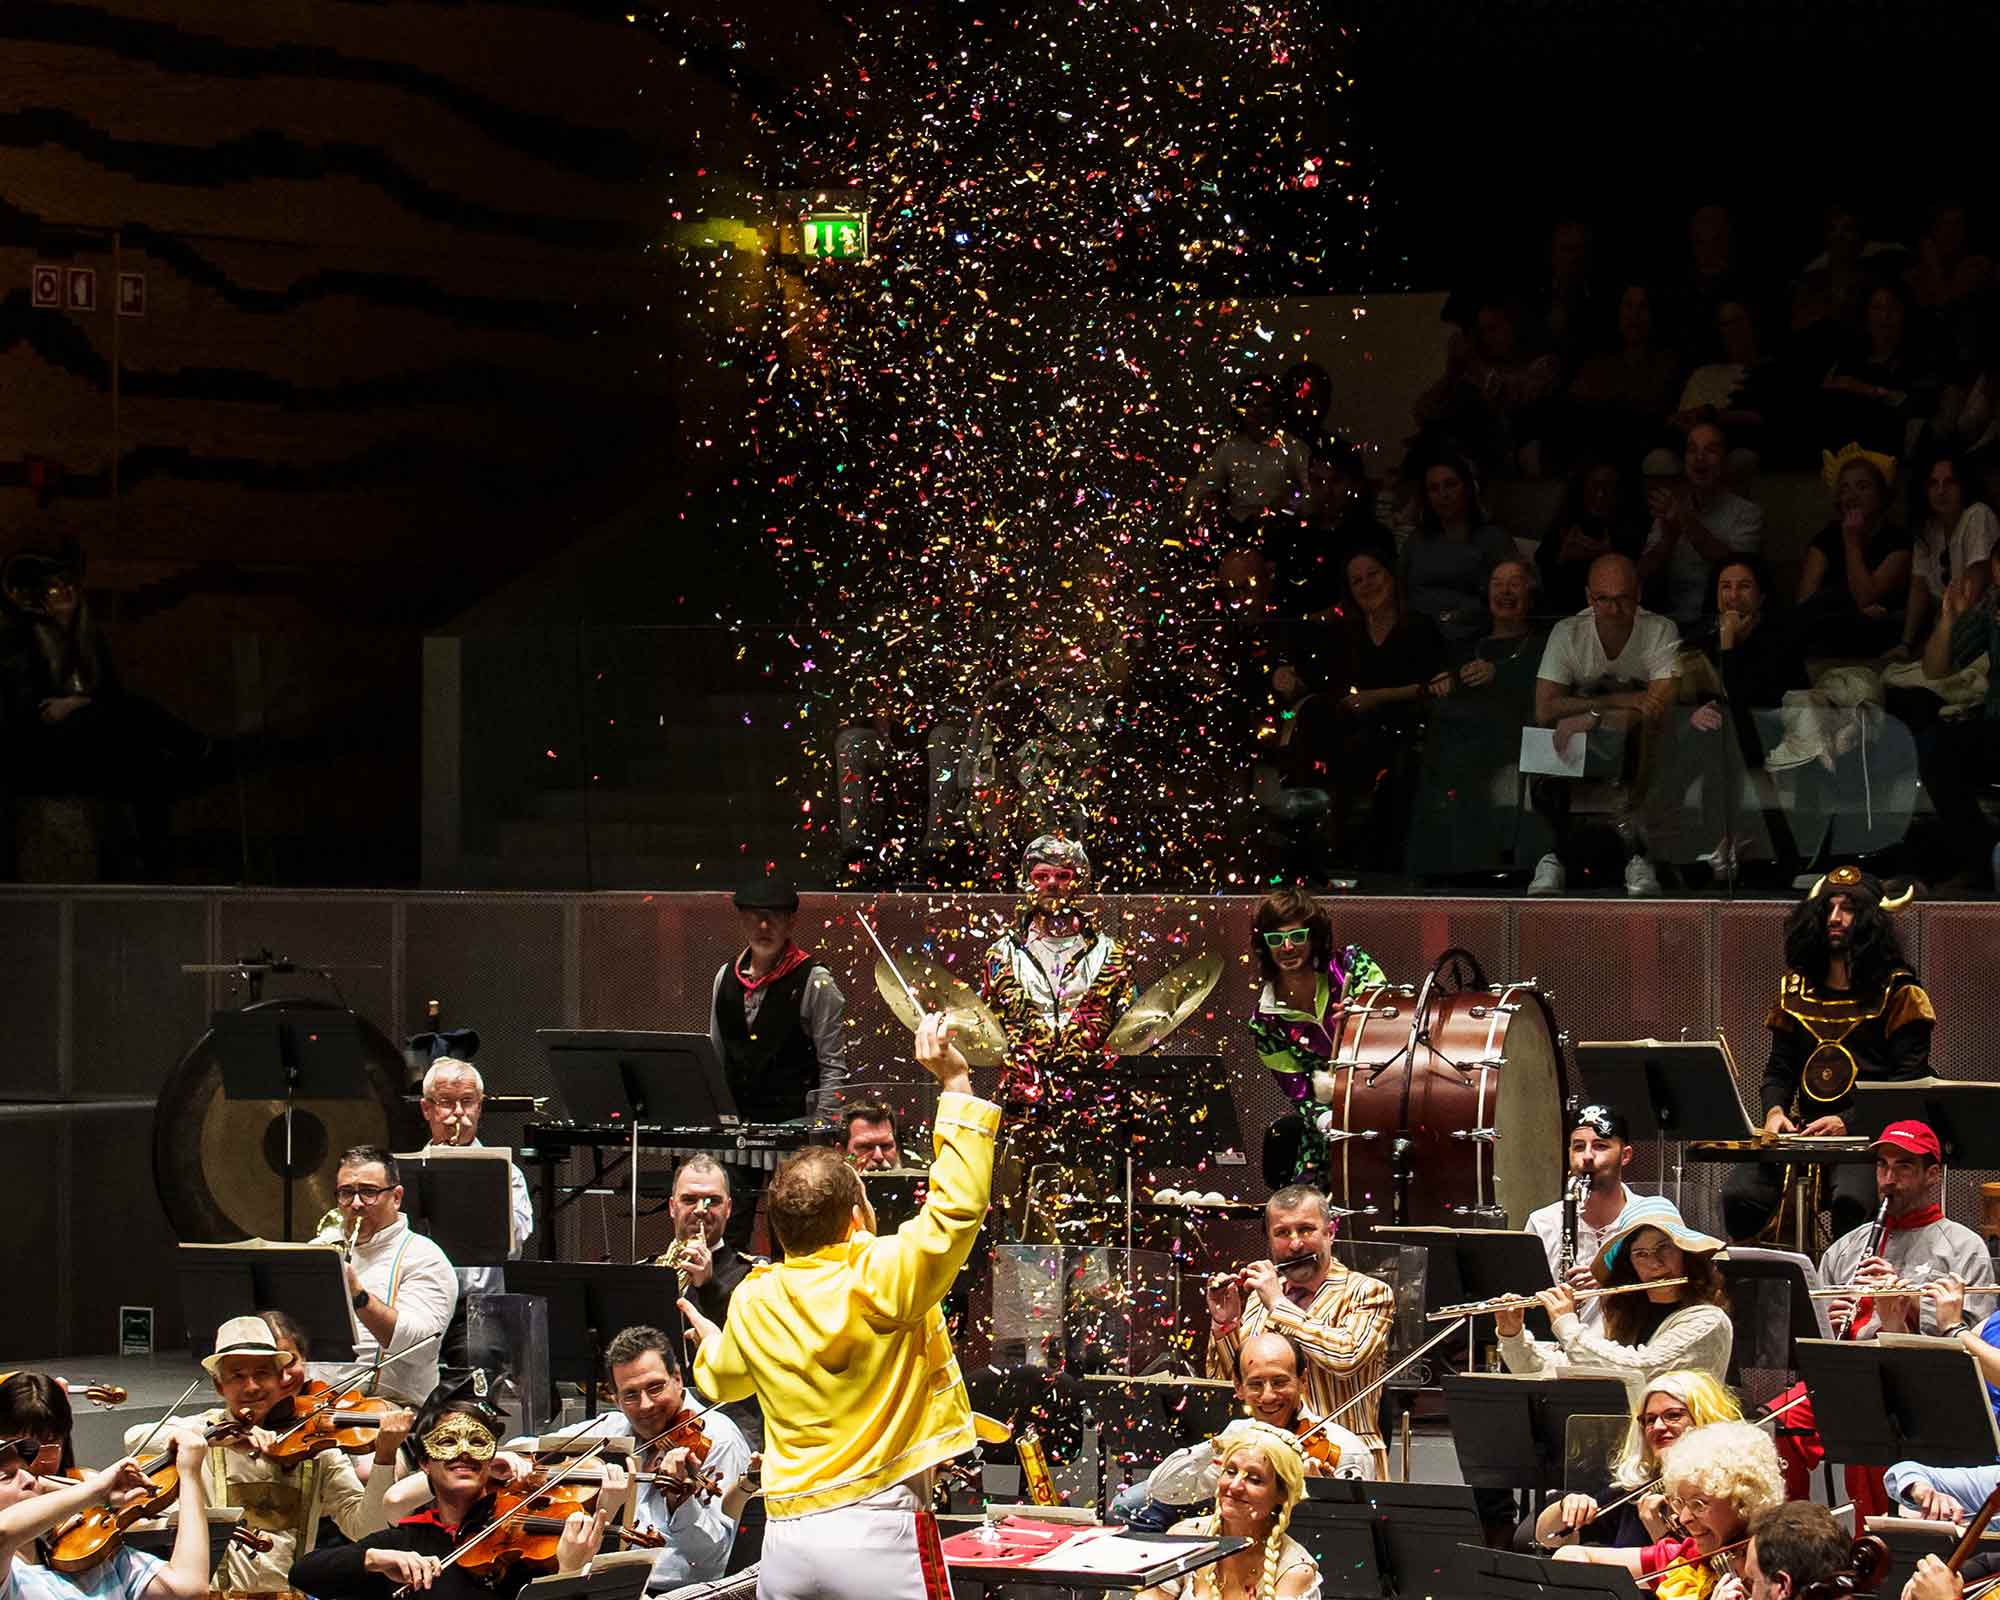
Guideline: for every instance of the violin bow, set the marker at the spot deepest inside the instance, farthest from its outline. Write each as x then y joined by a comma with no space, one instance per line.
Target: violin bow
153,1432
1969,1540
357,1371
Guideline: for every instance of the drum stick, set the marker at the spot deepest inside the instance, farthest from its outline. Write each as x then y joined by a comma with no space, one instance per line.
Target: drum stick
890,962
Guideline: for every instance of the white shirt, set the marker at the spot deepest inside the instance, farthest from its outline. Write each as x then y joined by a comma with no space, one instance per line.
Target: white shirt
1547,1226
699,1536
521,1223
1939,557
1737,522
411,1274
1574,656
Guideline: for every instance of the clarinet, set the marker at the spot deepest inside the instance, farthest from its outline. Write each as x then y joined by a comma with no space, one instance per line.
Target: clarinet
1877,1232
1573,1193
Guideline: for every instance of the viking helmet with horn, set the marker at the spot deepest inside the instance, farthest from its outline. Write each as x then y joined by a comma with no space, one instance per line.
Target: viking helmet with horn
1862,886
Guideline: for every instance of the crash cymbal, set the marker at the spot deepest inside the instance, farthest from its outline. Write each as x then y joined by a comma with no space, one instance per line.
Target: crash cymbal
1165,1006
974,1028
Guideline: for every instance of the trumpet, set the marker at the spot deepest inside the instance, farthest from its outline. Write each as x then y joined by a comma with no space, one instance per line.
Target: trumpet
337,1227
1525,1302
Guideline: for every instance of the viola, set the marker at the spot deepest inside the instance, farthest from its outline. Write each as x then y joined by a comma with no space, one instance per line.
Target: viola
523,1539
86,1540
684,1432
337,1419
1315,1444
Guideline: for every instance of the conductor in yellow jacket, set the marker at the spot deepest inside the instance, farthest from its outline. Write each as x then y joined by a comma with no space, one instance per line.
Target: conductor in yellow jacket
844,1347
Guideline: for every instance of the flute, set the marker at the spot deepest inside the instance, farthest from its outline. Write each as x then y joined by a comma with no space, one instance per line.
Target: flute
1895,1291
1241,1275
1523,1302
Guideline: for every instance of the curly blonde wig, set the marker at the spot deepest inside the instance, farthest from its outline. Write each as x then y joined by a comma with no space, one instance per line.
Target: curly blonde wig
1706,1401
1281,1451
1734,1461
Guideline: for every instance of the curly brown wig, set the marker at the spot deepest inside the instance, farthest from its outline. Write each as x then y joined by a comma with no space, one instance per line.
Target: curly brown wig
1282,908
1634,1318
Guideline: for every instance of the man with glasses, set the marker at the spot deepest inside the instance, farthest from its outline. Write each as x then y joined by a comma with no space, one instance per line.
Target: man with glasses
454,1096
1697,522
1600,1149
403,1287
1607,678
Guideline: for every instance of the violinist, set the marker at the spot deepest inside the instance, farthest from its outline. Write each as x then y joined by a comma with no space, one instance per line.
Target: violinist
457,1453
652,1395
284,1499
35,1406
1340,1318
30,1506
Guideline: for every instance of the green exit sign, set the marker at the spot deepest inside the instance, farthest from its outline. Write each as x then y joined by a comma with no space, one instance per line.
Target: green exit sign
836,235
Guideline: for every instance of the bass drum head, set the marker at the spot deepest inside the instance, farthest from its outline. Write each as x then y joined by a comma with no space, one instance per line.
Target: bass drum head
219,1163
1528,1160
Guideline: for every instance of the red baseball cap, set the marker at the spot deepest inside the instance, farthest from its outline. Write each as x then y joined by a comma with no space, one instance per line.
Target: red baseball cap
1915,1137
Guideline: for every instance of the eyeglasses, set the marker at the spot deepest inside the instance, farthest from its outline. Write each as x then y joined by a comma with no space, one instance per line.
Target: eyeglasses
1665,1419
1695,1507
1280,938
470,1103
370,1192
26,1450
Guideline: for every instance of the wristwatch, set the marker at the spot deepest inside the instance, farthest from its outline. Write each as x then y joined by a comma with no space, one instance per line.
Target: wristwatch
360,1299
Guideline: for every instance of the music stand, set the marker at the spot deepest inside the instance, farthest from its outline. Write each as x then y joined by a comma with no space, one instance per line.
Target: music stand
1964,1116
613,1575
1477,1264
278,1054
1510,1575
1910,1539
614,1077
1180,1554
1760,1282
1379,1539
589,1303
462,1197
1883,1400
240,1280
159,1540
1513,1431
1673,1090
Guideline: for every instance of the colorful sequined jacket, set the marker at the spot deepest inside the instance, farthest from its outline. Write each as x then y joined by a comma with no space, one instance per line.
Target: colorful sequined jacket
1054,1019
1295,1044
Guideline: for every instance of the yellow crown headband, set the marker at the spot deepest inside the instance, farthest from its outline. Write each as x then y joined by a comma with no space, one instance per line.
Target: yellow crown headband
1833,462
1247,1430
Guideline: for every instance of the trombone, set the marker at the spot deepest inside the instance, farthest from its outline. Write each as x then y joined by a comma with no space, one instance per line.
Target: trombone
1526,1302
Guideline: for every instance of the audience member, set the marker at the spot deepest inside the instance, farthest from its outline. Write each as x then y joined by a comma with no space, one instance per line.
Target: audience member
1949,277
1884,387
1570,308
1697,521
1957,757
1451,550
1394,654
1965,418
1297,771
1711,281
1830,296
1259,469
1303,412
1736,391
1309,555
1852,589
1959,536
1483,699
1600,516
1492,398
1757,662
1607,676
1620,396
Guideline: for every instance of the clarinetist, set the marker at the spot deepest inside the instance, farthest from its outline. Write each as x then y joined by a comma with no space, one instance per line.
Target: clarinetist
1574,1228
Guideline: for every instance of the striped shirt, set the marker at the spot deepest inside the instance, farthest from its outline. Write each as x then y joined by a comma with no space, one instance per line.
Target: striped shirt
1344,1331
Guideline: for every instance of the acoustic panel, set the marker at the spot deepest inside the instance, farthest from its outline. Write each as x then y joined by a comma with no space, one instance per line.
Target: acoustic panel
33,1151
31,956
348,934
136,1012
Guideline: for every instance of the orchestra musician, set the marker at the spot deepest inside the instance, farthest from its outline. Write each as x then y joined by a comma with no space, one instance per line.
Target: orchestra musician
1673,1404
1849,1008
33,1406
1791,1545
456,1451
844,1346
1268,1386
32,1505
454,1098
1600,1149
1717,1478
1260,1480
868,1135
402,1286
251,1369
1296,1026
1951,1494
1338,1317
1645,1334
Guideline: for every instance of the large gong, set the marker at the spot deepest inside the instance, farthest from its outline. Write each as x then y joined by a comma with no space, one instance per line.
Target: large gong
219,1164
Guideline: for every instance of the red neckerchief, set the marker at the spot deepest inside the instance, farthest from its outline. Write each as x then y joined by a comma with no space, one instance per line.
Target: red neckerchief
1913,1219
428,1518
791,958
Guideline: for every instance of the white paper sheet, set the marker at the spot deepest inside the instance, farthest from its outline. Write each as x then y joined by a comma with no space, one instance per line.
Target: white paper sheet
1539,755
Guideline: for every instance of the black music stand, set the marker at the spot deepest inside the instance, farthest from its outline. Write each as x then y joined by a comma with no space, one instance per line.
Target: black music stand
463,1198
1770,1289
613,1575
1513,1431
1884,1400
1478,1264
1910,1540
1374,1540
589,1303
1964,1116
222,1521
1675,1089
283,1055
628,1079
221,1281
1510,1575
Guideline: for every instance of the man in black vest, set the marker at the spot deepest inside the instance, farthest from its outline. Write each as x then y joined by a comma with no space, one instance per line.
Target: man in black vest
776,1025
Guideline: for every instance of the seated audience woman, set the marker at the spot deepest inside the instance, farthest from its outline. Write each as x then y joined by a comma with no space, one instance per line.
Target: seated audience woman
1451,550
1959,535
1853,589
1393,655
1601,515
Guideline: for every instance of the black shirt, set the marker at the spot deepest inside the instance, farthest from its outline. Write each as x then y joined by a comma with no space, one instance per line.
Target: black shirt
341,1572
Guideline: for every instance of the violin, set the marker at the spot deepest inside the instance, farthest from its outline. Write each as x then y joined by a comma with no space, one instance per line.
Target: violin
684,1432
86,1540
528,1541
102,1395
1316,1444
338,1419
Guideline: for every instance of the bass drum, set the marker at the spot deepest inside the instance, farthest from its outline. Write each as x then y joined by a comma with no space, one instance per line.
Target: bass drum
1470,1084
219,1164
